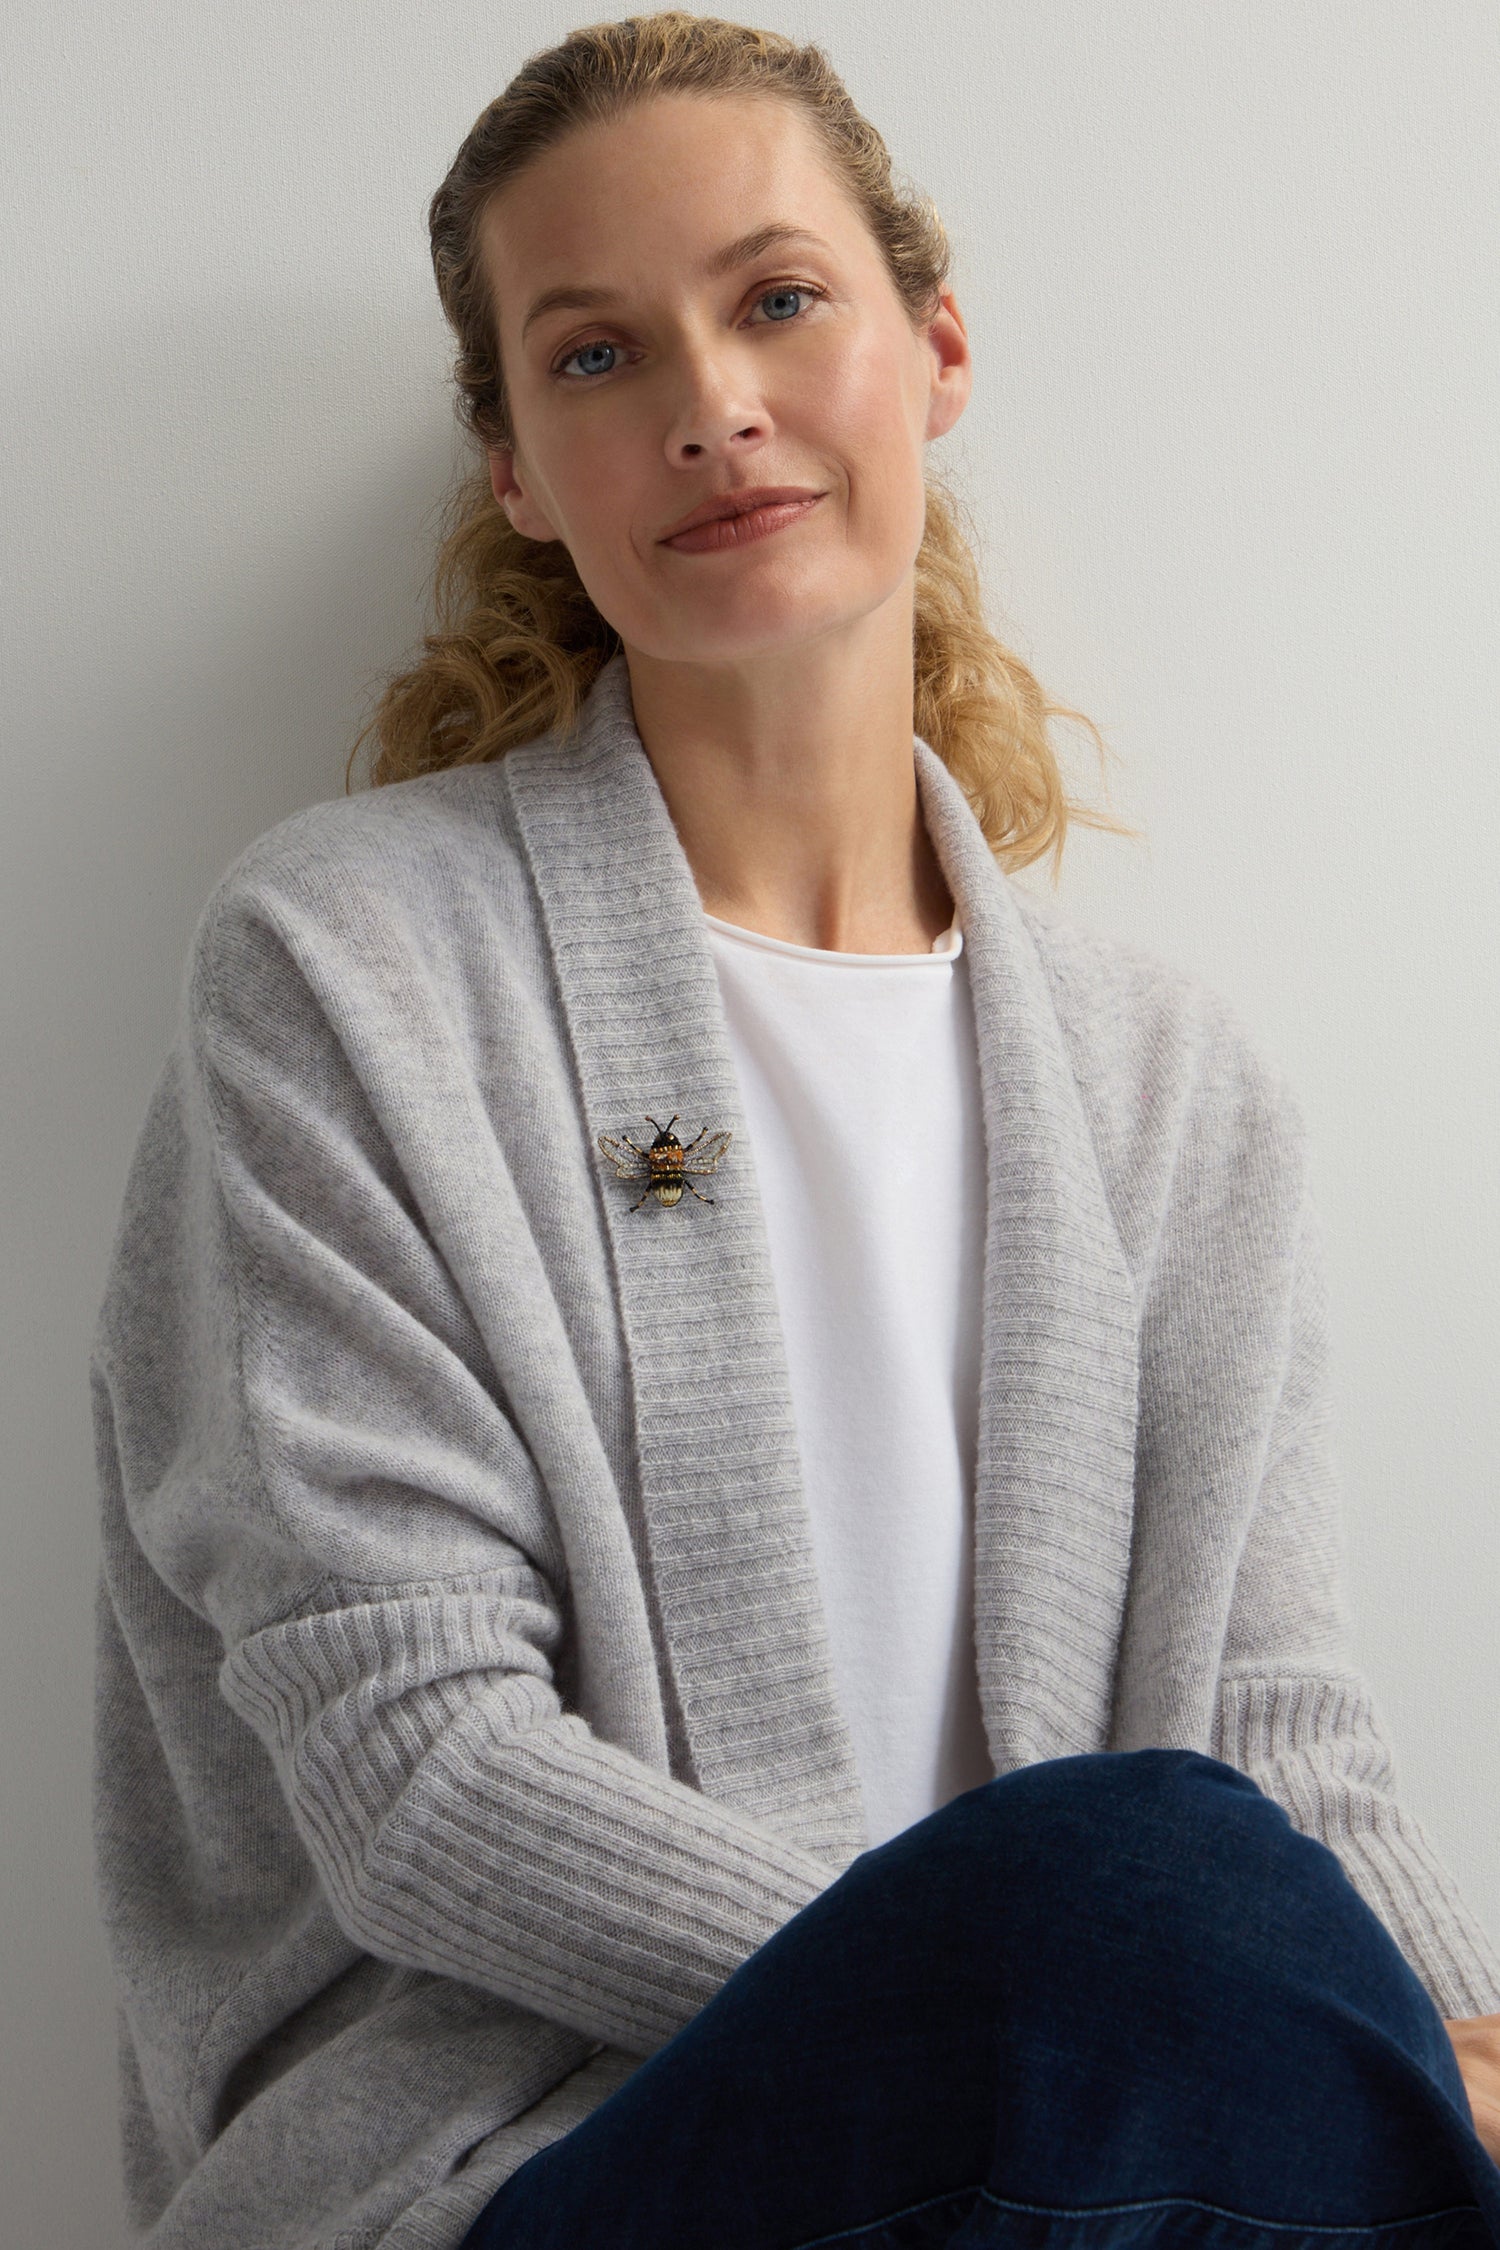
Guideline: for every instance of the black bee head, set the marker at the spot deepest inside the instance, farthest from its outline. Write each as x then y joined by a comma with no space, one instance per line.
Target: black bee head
665,1137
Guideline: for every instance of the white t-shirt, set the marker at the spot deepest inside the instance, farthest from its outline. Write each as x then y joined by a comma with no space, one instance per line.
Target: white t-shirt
860,1084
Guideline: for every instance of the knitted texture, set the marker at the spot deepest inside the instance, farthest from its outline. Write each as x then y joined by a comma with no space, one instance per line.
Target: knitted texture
465,1710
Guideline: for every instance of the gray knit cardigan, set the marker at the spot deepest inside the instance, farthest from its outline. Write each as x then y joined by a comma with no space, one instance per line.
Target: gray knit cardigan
465,1713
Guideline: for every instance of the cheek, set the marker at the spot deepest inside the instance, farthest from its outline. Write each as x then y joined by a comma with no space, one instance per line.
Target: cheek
869,430
584,468
592,480
868,418
858,401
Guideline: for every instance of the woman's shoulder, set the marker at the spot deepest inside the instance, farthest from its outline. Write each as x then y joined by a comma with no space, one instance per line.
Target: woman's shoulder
398,897
381,866
1151,1041
406,833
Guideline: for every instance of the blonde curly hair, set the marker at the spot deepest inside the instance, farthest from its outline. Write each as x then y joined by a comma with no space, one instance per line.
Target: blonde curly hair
516,641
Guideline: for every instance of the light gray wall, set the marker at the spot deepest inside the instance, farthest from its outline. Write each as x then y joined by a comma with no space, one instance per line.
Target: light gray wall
1230,275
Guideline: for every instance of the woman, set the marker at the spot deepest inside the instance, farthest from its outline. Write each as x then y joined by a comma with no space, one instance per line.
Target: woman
723,1618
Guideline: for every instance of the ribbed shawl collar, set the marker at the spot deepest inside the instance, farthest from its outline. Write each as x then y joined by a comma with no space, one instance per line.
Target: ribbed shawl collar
721,1483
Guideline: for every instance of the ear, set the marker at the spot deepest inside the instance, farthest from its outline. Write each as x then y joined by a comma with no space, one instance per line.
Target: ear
952,366
523,512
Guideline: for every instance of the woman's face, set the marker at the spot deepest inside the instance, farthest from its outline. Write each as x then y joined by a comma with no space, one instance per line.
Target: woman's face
702,361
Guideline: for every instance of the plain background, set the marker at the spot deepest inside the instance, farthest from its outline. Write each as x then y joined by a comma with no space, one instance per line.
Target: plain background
1229,271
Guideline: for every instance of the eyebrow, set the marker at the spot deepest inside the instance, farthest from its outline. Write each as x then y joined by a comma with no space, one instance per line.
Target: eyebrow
740,252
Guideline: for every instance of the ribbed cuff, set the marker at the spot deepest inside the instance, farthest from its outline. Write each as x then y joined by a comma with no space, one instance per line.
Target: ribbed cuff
1319,1748
462,1823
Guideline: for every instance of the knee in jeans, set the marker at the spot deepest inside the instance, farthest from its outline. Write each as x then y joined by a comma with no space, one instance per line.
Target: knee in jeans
1078,1813
1061,1848
1143,1786
1076,1827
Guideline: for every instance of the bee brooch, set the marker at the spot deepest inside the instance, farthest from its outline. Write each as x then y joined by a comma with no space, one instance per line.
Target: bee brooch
665,1165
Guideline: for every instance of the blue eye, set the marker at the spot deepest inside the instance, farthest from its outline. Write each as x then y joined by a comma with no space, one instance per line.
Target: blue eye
599,346
784,290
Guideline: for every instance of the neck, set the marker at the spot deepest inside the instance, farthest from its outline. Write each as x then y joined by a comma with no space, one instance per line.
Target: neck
791,782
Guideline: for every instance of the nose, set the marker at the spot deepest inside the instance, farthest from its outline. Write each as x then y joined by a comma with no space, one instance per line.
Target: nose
720,413
703,439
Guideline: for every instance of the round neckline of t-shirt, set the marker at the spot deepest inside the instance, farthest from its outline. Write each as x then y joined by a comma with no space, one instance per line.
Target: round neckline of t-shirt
944,949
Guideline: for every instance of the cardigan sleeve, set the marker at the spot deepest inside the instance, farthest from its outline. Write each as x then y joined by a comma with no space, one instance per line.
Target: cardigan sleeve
317,1460
1294,1711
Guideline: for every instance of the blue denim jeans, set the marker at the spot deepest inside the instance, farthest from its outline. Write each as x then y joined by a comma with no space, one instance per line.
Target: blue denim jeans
1101,2003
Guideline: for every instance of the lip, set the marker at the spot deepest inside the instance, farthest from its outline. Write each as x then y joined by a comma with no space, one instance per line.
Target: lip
740,502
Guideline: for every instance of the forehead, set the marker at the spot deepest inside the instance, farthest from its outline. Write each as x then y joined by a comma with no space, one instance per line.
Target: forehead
654,193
